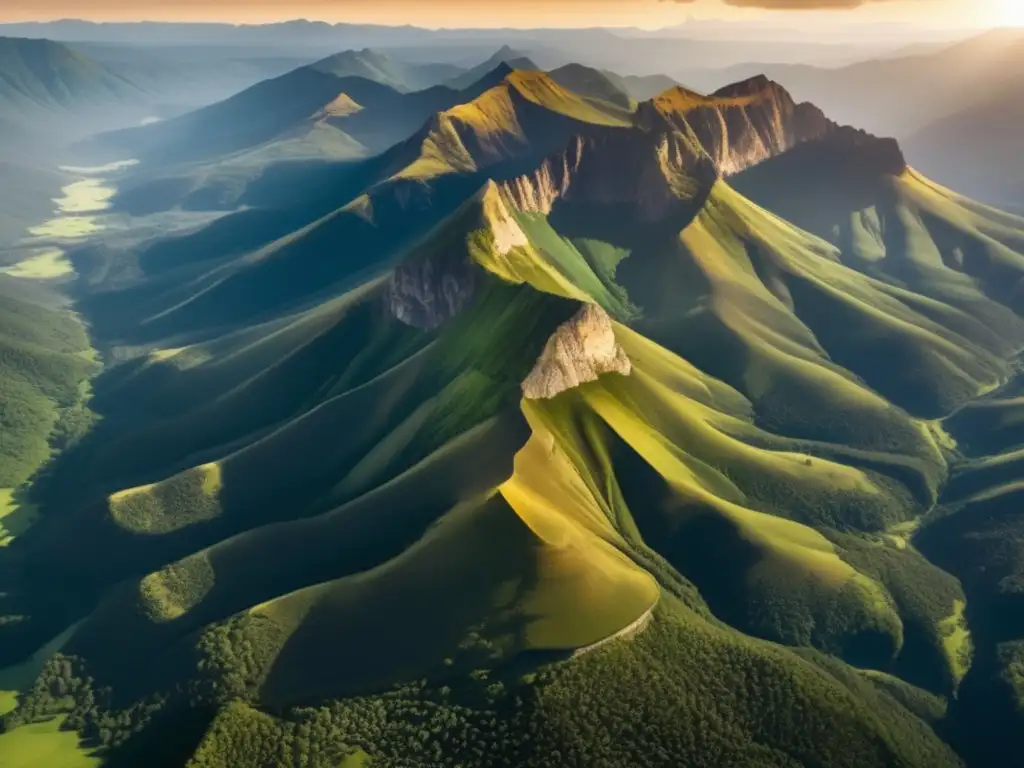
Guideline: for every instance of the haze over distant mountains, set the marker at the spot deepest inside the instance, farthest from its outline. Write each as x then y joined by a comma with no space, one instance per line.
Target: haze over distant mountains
619,50
957,125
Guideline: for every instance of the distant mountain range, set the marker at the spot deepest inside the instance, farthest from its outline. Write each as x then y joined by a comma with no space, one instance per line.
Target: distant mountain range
44,83
629,50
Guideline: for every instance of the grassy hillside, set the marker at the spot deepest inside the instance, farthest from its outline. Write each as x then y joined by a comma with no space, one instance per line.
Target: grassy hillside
44,364
547,437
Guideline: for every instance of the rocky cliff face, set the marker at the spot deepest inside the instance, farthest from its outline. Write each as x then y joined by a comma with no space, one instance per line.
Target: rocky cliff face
862,152
650,174
740,125
427,292
580,350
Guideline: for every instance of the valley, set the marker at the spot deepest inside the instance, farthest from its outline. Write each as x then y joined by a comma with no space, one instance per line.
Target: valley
494,416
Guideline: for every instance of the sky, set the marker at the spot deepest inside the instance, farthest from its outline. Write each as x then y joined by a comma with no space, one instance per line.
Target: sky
519,13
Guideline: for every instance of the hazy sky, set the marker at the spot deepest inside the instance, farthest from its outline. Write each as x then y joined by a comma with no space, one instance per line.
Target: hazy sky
520,13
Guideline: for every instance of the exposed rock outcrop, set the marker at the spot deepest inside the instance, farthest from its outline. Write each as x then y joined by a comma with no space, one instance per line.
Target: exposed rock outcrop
651,174
427,292
580,350
740,125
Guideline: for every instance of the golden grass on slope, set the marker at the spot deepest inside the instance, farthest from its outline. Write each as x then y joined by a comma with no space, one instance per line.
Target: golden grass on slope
748,306
504,250
490,127
790,554
540,89
684,422
985,218
588,588
791,261
693,448
480,573
680,100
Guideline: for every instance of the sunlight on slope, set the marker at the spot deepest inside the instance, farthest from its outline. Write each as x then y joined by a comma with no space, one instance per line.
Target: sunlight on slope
491,127
588,587
789,554
188,498
504,250
956,641
45,745
16,515
808,280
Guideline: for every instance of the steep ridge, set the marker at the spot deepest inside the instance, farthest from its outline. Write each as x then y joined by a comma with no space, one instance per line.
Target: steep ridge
416,183
739,125
356,103
510,119
308,114
590,385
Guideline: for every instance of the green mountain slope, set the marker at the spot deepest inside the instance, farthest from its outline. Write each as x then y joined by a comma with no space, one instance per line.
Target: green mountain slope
557,434
44,365
40,76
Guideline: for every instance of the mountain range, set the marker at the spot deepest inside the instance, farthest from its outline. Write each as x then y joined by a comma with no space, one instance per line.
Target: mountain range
346,107
957,125
570,429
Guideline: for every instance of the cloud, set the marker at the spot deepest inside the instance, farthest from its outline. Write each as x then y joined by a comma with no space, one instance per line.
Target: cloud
794,5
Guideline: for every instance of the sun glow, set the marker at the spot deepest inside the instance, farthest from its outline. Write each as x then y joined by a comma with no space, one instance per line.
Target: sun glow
1009,13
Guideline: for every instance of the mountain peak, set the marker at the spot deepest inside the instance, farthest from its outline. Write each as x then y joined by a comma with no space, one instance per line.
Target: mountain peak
749,87
507,51
738,126
494,77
